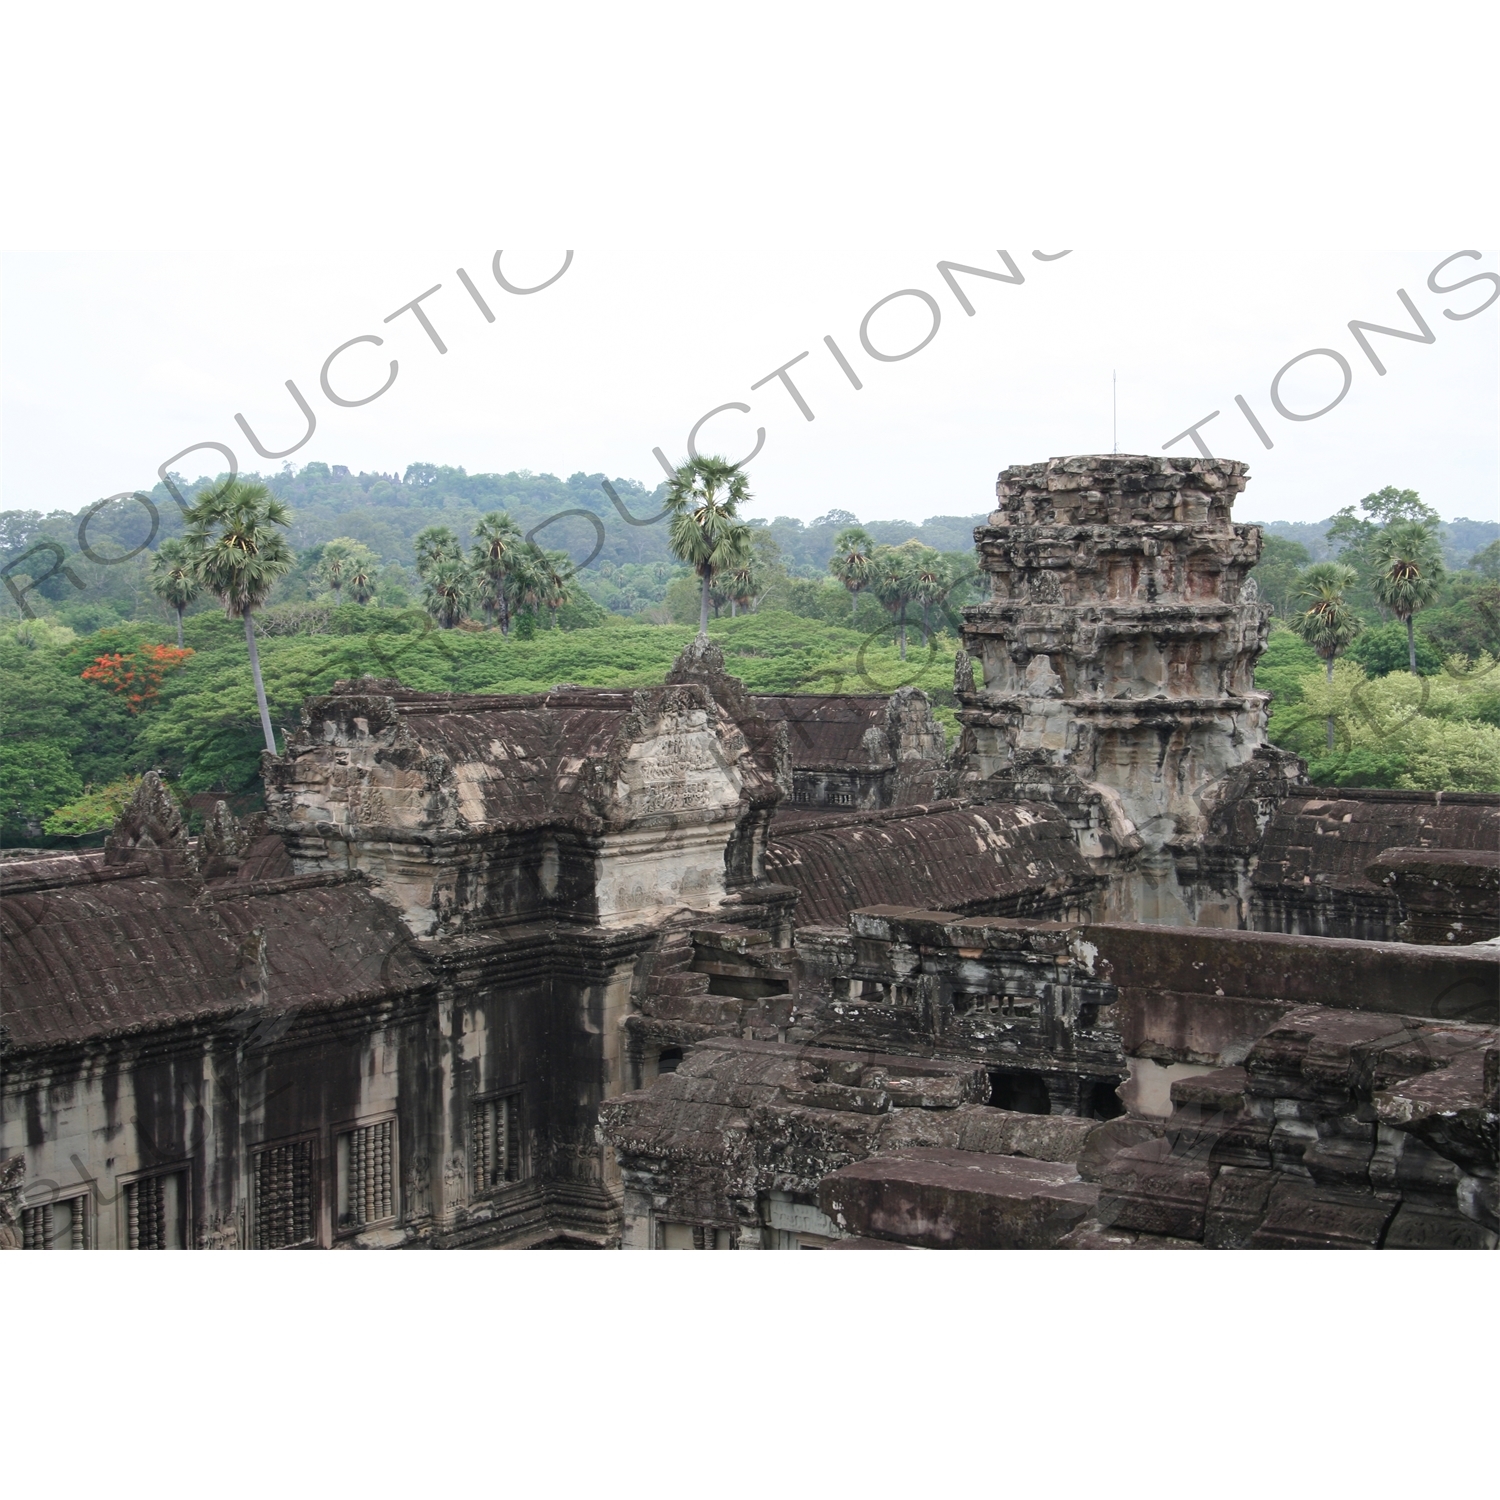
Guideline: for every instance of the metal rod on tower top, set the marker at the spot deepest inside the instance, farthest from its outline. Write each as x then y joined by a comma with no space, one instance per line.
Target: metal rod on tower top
1114,404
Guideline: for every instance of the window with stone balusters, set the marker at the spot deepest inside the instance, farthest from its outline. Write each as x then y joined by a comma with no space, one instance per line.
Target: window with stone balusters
62,1225
283,1187
692,1237
156,1212
495,1142
366,1175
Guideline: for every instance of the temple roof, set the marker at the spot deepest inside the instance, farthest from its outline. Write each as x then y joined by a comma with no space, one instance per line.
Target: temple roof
95,950
946,855
1330,838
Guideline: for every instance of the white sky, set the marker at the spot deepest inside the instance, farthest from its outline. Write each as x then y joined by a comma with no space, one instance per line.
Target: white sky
200,215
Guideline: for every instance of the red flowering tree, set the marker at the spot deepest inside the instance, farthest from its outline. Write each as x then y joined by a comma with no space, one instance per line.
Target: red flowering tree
136,675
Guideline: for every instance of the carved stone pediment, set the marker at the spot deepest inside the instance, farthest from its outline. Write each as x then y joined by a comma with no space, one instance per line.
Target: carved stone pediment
151,829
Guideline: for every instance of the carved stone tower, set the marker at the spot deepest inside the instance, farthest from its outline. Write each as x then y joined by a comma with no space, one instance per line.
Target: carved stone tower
1117,652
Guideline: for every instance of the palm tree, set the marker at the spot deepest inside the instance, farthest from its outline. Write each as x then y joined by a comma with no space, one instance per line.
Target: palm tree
436,544
1410,576
930,584
239,554
341,557
361,583
331,570
734,586
718,592
744,586
557,578
1328,624
174,578
449,588
705,531
893,580
850,562
527,580
497,543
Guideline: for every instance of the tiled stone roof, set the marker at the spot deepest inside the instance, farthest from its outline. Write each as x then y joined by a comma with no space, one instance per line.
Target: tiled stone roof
94,951
1330,838
947,856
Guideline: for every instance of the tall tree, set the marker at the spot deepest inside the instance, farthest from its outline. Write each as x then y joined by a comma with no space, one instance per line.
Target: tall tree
719,591
744,587
851,564
930,584
331,569
239,554
436,544
497,544
361,579
705,531
1329,623
174,577
448,588
1355,538
768,566
893,582
735,586
526,582
558,585
1410,575
340,559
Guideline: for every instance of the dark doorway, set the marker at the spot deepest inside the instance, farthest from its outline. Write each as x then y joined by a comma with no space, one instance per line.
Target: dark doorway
668,1059
1019,1090
1100,1102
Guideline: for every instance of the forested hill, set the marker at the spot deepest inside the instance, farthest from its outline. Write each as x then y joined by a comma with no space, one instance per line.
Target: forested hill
630,574
1459,539
386,511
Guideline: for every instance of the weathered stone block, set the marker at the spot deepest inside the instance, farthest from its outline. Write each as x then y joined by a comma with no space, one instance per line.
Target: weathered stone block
839,1096
726,939
1449,895
1236,1205
1106,1141
1416,1227
953,1200
926,1093
1303,1215
1342,1151
1151,1188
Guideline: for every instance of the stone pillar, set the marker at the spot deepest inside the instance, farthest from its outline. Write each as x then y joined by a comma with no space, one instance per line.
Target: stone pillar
12,1201
1064,1093
1117,651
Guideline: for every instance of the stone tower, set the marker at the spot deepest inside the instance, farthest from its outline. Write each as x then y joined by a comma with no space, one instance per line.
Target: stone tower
1117,652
